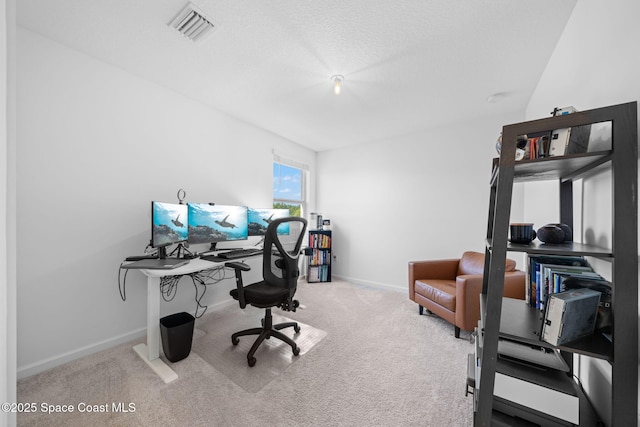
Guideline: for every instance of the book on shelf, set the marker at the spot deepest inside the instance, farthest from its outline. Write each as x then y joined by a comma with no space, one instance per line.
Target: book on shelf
537,287
320,240
319,273
559,142
551,278
535,146
570,315
548,275
319,257
531,150
568,141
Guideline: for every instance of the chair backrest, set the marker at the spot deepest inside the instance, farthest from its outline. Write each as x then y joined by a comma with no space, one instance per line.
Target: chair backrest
282,244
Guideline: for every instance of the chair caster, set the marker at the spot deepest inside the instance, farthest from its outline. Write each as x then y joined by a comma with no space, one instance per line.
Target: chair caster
234,341
296,328
296,351
251,361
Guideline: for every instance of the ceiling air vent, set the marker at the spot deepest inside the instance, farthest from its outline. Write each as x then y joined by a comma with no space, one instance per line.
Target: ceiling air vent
192,23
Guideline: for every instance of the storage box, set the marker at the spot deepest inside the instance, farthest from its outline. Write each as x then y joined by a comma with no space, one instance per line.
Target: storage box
570,315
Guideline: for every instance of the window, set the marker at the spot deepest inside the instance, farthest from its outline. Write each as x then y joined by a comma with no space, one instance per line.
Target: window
288,188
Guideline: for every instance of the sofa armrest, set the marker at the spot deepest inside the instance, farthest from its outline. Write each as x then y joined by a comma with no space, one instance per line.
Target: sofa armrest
444,269
468,289
514,284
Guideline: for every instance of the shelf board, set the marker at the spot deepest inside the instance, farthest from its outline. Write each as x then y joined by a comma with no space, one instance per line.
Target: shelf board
520,322
558,167
595,345
567,248
588,416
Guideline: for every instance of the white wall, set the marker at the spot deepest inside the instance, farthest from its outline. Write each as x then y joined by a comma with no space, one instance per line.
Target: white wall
95,146
7,211
419,196
594,64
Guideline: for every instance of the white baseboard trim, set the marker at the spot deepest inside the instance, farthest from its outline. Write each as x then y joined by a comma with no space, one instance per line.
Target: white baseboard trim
378,285
52,362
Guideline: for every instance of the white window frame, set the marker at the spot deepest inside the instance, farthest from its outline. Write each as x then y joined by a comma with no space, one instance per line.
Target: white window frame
304,169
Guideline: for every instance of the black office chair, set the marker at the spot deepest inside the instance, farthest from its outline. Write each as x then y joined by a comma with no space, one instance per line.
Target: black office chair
280,278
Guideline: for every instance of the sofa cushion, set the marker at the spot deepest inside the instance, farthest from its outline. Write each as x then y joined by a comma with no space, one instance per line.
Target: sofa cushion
473,263
442,292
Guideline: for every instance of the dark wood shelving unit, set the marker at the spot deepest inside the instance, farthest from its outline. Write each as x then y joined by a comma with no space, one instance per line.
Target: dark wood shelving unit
515,319
562,167
568,248
522,322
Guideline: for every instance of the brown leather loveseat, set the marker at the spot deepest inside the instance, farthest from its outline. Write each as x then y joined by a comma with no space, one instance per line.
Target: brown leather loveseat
451,288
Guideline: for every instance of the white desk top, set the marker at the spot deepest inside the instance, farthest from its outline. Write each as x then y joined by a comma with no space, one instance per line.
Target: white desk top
193,266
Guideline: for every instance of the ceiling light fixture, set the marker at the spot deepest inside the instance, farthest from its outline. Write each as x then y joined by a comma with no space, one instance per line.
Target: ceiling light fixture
337,83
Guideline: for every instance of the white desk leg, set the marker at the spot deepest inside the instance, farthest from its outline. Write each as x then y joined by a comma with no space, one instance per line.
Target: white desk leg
150,352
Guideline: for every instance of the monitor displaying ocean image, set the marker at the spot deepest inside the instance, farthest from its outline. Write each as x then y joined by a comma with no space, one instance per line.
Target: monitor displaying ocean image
169,223
217,223
259,220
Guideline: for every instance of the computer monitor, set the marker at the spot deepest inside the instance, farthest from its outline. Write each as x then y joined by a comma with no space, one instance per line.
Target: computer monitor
168,225
217,223
259,220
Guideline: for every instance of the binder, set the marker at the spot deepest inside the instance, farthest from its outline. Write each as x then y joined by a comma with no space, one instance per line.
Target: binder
559,141
570,315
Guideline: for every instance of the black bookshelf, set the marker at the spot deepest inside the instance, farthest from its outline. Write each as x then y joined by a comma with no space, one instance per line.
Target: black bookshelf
515,319
319,256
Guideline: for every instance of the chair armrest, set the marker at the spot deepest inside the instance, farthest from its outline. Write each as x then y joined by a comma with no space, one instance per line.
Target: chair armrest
239,267
444,269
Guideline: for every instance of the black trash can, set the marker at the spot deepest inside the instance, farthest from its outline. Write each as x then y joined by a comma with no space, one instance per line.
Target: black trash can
177,333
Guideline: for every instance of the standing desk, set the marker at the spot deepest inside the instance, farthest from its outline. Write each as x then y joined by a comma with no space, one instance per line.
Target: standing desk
150,351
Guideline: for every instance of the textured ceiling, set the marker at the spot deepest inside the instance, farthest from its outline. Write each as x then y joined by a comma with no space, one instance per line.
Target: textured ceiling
408,65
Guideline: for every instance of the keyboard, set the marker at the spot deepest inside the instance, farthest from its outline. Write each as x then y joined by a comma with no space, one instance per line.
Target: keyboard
233,254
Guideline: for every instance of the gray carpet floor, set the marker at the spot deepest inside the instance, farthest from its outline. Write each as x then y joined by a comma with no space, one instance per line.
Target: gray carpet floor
367,359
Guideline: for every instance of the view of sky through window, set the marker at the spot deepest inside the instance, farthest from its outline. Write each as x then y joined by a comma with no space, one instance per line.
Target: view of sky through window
287,182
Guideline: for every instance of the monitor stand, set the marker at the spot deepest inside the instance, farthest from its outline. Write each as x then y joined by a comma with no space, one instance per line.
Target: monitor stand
181,250
162,252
